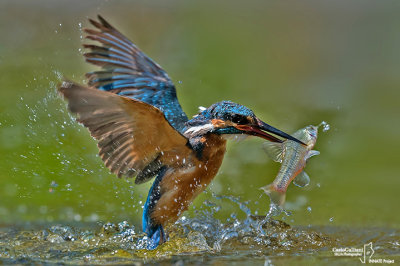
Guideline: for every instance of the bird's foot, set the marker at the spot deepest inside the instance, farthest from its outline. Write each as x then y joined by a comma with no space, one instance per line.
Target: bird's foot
153,241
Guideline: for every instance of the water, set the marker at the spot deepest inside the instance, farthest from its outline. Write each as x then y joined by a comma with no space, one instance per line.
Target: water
200,239
294,64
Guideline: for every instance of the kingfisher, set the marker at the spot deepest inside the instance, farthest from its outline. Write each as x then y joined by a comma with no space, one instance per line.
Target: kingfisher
131,108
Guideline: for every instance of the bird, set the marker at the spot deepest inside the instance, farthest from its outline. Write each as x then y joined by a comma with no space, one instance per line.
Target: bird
131,108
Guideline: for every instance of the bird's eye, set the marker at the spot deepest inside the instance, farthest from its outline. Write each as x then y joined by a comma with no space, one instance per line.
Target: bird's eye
239,119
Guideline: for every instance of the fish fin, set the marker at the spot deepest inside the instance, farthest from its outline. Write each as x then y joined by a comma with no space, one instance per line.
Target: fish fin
276,197
302,179
311,154
274,150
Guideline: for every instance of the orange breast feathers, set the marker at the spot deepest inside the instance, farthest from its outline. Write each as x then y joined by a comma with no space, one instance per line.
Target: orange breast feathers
180,186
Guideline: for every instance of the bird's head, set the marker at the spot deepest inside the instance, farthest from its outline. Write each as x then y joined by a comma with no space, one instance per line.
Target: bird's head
227,118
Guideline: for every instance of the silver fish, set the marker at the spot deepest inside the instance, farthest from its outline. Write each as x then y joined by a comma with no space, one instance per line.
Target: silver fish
293,157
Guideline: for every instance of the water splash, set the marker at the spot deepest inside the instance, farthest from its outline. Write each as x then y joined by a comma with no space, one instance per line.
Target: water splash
255,236
325,126
121,243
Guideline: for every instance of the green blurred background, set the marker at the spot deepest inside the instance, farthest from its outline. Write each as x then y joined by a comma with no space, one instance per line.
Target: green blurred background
294,63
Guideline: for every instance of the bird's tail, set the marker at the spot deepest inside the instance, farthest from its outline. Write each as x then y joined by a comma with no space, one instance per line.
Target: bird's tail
277,197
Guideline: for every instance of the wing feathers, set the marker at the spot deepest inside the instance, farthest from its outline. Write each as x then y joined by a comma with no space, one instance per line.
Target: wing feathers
129,72
131,134
109,36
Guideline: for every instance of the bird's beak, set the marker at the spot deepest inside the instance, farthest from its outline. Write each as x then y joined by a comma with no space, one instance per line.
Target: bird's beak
262,129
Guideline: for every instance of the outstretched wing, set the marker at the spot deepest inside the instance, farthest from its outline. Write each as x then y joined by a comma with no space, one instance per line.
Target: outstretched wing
131,134
129,72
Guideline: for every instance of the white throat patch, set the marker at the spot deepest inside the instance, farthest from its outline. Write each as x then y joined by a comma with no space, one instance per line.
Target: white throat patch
198,130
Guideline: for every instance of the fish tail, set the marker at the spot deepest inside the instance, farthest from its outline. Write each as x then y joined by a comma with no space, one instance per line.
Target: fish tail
277,197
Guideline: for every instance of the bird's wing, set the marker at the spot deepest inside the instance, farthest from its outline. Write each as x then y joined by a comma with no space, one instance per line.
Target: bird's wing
129,72
131,134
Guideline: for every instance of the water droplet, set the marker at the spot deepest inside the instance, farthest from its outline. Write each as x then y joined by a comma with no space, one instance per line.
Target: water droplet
77,217
331,219
325,126
309,209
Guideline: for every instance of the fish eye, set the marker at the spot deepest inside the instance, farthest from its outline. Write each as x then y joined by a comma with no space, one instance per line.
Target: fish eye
239,119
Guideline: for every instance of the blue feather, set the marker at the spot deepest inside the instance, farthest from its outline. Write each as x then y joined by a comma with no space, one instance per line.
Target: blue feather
105,40
109,55
119,40
154,231
131,73
111,78
126,55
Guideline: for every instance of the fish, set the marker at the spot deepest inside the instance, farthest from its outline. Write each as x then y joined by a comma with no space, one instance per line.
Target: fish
293,157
